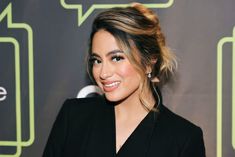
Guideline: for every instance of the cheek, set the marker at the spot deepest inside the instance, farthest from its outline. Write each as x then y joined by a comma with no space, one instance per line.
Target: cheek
95,73
128,71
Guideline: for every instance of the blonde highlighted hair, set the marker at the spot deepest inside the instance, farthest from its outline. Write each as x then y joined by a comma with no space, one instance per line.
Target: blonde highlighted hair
138,33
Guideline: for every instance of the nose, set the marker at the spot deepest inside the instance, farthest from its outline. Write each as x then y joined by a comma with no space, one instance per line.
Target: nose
106,71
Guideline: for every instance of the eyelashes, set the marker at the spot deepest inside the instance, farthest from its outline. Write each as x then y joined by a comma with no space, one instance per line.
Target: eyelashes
117,58
96,60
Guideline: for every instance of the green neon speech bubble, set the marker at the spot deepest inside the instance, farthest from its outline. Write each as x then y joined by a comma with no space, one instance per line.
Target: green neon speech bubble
19,143
220,94
82,18
15,43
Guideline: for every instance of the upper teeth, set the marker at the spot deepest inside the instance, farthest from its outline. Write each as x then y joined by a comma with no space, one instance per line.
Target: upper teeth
112,84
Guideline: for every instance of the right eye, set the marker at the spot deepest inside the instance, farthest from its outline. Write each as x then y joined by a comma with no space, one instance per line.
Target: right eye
95,61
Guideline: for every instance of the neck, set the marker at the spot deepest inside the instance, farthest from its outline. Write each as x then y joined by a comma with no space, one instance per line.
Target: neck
132,108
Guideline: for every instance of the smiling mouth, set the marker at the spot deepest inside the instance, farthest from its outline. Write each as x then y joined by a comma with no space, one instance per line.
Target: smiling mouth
108,87
112,84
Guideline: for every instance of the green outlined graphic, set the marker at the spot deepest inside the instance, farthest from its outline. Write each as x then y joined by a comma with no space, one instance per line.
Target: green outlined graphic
82,18
220,93
19,143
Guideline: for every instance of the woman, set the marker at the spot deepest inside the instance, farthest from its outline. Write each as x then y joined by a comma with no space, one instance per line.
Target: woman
127,59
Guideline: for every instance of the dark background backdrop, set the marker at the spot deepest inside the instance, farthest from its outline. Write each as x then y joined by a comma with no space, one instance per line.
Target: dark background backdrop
193,30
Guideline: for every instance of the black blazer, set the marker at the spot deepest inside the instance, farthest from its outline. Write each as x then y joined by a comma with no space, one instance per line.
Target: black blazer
86,128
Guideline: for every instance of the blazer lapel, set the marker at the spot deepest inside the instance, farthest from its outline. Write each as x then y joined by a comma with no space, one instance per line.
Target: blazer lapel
138,143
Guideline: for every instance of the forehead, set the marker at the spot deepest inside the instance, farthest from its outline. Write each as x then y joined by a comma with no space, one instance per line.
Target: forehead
104,42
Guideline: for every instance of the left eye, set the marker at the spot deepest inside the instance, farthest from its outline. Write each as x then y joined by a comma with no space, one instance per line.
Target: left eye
117,58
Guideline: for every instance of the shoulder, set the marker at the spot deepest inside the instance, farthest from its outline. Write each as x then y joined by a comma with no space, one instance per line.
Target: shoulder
84,103
82,107
176,121
178,127
183,136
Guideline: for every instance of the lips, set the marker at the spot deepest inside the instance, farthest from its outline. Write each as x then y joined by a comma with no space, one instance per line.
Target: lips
110,86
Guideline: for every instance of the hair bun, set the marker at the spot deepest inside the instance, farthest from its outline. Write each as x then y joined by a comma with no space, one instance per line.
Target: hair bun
146,12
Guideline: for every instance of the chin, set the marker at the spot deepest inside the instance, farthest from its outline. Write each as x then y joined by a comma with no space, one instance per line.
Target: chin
112,97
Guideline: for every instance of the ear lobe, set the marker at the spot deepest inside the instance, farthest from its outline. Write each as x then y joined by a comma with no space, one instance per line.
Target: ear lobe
153,62
148,69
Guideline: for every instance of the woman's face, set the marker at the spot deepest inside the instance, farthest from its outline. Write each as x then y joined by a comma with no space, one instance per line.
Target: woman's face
112,70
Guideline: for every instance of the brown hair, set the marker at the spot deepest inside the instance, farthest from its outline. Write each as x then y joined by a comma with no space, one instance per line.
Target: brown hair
138,33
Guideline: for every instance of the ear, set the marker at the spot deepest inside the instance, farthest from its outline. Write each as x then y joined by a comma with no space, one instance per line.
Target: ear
149,70
150,67
154,61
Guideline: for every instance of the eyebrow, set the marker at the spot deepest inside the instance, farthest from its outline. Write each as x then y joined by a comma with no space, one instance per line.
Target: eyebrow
113,52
